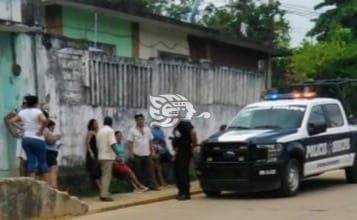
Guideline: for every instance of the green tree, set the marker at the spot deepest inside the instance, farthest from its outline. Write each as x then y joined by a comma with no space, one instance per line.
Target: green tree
156,7
333,58
181,10
335,53
268,24
262,23
340,12
218,18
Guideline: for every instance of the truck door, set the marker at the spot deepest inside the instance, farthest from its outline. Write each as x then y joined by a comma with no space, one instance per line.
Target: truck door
340,135
316,145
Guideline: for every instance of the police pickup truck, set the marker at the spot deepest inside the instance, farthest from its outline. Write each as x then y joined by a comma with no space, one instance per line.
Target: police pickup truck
277,143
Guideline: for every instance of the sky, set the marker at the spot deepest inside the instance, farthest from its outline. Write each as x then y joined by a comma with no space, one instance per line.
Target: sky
299,16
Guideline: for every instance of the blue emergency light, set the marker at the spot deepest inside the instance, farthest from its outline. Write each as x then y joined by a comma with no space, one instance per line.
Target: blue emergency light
274,96
293,95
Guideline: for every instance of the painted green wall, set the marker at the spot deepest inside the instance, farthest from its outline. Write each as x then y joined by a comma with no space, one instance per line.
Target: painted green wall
79,24
8,101
12,90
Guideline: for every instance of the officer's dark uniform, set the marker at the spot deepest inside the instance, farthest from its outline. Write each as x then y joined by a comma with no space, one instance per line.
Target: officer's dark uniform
183,145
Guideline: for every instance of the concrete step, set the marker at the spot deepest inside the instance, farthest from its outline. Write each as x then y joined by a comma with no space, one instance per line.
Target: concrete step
124,200
27,198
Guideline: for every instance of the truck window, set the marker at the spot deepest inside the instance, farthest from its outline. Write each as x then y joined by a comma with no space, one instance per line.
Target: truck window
334,115
317,115
277,117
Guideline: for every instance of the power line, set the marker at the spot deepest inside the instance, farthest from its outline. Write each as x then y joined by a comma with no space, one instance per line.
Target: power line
296,9
296,5
301,11
298,13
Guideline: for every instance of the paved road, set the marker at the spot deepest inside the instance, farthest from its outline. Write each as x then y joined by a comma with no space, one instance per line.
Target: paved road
325,197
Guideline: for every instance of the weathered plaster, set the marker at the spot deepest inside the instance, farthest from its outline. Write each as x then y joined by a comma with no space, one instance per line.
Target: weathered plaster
12,90
152,41
79,24
64,89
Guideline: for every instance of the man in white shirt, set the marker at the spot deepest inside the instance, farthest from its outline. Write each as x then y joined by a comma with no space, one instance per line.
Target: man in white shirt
141,150
106,144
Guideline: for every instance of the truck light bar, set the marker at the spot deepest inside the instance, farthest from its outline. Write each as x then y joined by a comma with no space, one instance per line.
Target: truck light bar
293,95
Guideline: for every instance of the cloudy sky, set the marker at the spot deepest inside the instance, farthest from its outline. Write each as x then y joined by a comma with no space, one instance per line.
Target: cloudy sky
299,15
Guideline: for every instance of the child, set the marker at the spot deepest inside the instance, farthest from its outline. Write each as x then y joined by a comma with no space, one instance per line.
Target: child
52,152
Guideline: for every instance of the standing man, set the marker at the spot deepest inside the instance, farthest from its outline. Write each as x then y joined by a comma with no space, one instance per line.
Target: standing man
185,138
107,154
141,150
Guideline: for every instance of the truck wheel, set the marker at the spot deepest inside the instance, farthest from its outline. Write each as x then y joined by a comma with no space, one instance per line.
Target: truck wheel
212,194
290,183
351,172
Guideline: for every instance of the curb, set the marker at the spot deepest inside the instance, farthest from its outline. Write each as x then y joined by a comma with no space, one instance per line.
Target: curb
137,203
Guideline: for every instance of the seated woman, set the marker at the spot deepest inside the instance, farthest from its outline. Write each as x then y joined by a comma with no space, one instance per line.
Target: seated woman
120,167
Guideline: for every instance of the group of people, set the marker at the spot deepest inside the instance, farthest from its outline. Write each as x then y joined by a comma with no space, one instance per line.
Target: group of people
106,153
38,144
146,152
144,158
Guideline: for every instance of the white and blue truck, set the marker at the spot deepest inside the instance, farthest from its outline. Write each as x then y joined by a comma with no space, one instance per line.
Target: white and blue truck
277,143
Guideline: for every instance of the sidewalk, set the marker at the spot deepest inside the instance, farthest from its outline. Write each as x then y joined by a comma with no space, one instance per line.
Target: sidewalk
124,200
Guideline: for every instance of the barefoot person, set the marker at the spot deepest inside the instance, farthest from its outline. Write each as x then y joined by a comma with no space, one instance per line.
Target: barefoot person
120,167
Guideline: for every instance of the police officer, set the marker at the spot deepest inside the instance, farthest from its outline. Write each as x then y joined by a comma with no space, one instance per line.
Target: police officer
185,138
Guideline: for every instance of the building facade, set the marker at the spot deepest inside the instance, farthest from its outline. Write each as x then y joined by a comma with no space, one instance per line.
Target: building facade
17,75
89,62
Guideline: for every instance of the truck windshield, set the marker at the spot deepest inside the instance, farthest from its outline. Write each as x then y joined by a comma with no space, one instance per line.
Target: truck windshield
277,117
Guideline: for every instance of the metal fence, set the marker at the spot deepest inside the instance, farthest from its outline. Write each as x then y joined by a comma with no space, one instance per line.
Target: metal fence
126,82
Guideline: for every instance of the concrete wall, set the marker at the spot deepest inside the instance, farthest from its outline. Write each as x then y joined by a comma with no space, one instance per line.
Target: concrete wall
25,198
79,24
12,90
10,10
152,40
73,120
64,89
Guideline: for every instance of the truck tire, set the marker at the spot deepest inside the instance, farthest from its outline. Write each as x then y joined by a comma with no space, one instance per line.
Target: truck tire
212,194
291,179
351,172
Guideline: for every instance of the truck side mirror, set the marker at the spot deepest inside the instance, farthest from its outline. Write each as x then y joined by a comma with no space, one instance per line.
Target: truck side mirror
316,128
